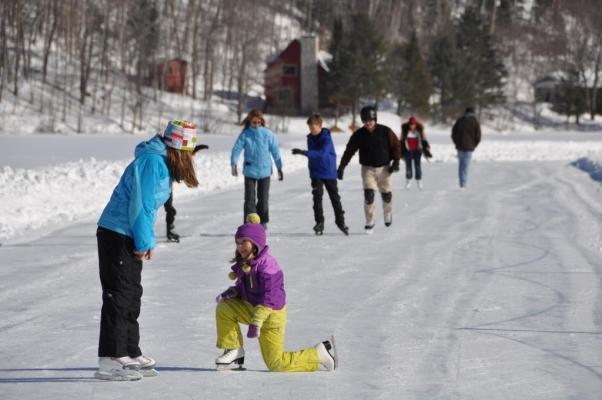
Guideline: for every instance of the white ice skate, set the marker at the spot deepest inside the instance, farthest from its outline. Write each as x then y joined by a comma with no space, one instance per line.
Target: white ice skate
420,187
327,352
147,366
388,219
369,227
118,369
408,184
231,360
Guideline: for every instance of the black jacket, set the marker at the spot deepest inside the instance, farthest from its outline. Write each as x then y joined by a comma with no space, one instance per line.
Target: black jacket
466,132
377,148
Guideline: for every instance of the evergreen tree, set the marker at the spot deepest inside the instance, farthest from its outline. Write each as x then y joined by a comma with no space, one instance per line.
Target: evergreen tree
418,79
362,66
443,65
480,74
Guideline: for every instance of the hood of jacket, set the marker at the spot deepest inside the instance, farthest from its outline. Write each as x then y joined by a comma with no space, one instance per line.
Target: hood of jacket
155,145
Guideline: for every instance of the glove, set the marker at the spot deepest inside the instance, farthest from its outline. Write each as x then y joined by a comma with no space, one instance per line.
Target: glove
394,166
280,175
234,170
199,147
253,331
228,294
299,151
340,173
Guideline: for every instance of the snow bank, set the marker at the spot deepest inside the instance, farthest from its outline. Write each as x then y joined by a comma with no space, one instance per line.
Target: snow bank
31,199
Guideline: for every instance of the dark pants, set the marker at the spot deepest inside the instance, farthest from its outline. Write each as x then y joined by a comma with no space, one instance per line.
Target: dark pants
333,192
415,157
257,193
120,275
170,212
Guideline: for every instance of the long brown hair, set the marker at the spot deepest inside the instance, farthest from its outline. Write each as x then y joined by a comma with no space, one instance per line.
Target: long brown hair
254,113
181,167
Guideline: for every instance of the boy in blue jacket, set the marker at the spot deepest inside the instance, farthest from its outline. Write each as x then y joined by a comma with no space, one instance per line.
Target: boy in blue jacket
322,163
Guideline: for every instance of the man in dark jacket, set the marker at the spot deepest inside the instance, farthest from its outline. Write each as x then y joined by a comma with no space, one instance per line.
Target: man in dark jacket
322,163
380,152
466,135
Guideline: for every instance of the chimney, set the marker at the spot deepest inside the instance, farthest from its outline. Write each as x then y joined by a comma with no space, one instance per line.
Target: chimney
309,74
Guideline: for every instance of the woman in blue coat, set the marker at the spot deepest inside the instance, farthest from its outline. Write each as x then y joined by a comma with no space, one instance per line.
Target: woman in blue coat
322,163
260,146
125,238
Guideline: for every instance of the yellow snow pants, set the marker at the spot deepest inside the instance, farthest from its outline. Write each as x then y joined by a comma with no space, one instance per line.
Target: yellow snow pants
231,312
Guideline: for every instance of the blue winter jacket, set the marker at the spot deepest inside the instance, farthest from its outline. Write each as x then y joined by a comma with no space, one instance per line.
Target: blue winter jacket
144,186
321,156
258,144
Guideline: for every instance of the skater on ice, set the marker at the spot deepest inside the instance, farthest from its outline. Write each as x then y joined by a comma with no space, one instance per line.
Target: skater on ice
260,146
258,299
380,152
322,164
413,146
125,239
466,135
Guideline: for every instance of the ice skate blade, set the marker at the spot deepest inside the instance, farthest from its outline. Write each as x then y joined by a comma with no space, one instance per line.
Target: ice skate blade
336,353
148,372
229,367
108,376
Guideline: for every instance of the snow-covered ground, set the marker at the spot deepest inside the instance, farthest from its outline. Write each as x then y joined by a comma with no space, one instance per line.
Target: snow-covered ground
493,292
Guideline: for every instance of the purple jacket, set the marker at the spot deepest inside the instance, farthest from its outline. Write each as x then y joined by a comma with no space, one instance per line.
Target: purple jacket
264,284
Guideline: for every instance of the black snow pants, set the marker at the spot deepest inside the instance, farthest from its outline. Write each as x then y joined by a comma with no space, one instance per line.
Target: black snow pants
317,186
170,213
120,276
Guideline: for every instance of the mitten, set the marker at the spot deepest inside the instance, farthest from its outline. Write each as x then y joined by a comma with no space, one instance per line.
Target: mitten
228,294
394,166
234,170
340,173
299,151
280,175
253,331
199,147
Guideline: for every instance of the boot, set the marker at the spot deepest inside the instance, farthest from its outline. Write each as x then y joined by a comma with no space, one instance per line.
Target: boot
327,354
344,228
319,228
118,369
147,366
171,235
388,219
229,357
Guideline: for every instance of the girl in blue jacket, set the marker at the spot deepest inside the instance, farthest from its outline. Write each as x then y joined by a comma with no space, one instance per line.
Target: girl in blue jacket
260,146
322,163
125,238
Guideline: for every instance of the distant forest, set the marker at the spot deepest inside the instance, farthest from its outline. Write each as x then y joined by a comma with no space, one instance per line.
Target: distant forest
432,57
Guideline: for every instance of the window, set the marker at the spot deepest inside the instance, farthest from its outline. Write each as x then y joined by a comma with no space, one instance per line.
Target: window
289,70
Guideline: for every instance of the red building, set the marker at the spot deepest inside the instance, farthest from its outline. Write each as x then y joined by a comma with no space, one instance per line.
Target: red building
172,75
293,79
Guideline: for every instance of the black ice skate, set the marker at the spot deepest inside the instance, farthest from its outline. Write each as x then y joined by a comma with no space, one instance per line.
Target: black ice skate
319,228
172,236
344,228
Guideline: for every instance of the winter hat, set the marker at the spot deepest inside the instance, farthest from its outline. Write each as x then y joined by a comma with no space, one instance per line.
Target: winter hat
412,121
180,135
252,231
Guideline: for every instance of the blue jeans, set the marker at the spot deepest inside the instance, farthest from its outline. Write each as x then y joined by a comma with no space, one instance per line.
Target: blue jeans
415,157
463,164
